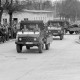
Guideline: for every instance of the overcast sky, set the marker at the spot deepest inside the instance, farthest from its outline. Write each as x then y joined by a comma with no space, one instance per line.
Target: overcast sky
55,0
50,0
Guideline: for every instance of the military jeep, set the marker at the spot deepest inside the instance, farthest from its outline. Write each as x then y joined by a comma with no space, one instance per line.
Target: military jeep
55,28
32,33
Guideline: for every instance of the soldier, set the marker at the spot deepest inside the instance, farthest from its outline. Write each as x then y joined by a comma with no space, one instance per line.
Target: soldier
6,30
2,33
25,29
36,28
14,31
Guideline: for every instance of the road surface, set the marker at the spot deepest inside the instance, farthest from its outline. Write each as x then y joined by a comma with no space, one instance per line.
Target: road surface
61,62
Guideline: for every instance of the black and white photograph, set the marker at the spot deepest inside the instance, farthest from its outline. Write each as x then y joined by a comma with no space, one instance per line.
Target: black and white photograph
39,39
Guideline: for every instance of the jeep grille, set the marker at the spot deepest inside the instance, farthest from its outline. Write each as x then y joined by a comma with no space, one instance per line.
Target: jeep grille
27,39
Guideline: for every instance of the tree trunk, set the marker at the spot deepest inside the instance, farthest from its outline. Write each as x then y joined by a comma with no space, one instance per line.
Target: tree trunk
10,22
1,12
0,16
10,19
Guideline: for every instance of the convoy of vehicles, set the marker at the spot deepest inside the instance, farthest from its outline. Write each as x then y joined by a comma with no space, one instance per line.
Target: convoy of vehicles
33,33
56,28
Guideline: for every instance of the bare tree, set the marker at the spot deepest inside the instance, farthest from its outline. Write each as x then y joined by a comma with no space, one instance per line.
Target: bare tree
1,11
69,9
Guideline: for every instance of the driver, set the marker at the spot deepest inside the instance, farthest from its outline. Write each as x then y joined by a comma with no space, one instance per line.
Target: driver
25,29
50,25
58,25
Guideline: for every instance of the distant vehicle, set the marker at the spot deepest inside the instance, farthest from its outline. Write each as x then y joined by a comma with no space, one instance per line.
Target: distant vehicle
56,28
33,33
74,28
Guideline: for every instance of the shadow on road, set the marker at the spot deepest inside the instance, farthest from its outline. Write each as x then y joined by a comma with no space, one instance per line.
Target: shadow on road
32,51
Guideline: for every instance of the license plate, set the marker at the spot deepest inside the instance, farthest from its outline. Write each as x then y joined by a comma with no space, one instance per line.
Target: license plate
54,33
29,42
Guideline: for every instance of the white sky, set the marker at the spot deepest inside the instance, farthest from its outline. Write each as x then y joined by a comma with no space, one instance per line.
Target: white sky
50,0
55,0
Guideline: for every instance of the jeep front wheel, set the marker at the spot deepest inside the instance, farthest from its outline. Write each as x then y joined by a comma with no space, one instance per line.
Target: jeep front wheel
27,47
40,48
19,48
47,46
71,32
61,37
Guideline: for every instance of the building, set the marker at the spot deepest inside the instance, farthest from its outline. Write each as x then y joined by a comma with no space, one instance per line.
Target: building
32,15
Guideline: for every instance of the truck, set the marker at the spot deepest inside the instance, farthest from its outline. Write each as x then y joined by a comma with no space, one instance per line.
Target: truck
74,28
56,28
33,33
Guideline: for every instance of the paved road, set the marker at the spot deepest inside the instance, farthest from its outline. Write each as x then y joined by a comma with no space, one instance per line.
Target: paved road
61,62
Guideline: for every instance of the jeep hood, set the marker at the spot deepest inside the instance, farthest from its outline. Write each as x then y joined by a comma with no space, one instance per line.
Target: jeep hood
29,34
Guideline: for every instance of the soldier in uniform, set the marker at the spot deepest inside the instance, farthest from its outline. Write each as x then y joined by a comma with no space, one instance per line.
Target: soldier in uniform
50,25
2,33
6,29
36,28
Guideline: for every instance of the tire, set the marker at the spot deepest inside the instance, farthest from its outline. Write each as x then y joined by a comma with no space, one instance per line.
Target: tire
65,31
71,32
19,48
47,46
27,47
61,37
76,32
40,48
3,39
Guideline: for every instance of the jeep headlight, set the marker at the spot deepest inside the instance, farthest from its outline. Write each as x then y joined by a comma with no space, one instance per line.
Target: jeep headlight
59,31
35,39
20,39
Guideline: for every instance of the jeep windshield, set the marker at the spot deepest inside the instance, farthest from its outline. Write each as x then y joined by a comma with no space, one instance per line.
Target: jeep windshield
31,28
54,25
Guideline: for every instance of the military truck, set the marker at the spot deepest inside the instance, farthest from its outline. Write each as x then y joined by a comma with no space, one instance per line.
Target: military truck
74,28
56,28
32,33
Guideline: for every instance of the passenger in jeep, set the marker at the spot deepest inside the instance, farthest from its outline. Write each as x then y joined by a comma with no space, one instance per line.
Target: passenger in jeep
50,25
36,28
25,29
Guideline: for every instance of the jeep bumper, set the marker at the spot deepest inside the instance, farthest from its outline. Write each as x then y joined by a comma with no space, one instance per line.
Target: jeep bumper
28,43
